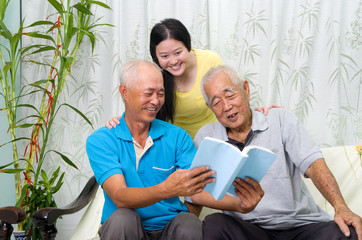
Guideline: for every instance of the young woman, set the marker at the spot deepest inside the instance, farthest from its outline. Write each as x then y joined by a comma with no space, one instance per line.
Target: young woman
184,67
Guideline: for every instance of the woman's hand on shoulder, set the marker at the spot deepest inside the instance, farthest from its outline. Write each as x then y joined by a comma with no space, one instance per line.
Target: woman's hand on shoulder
266,109
113,122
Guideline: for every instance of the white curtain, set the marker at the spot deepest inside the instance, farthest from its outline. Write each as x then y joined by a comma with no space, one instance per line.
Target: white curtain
305,55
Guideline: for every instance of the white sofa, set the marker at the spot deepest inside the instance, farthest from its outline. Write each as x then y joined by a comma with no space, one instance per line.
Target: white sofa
344,162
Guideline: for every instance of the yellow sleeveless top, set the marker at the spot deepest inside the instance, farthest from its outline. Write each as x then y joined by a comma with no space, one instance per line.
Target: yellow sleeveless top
191,112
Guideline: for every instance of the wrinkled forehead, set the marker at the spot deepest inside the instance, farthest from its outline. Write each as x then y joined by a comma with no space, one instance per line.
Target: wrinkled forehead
224,91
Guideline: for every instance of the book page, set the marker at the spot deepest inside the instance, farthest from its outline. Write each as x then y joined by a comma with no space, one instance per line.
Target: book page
257,164
222,157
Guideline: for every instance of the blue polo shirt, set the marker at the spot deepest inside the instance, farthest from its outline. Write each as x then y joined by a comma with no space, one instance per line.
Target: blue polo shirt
111,151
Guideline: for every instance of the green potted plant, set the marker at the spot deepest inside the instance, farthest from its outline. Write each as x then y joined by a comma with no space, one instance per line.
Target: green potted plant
62,38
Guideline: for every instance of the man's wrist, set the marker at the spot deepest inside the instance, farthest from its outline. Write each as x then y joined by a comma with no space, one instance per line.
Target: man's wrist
340,207
163,190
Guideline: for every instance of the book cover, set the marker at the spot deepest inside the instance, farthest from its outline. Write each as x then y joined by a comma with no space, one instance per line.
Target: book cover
257,164
229,162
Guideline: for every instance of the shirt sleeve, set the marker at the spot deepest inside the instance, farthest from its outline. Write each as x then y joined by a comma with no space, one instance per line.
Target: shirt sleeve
103,156
198,137
299,145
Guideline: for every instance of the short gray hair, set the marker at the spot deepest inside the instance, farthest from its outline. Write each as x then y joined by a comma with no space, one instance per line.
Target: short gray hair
128,73
214,72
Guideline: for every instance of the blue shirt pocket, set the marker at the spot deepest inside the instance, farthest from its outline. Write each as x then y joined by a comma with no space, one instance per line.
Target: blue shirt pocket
162,173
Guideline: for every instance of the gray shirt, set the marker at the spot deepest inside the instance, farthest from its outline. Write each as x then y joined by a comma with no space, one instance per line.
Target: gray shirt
287,202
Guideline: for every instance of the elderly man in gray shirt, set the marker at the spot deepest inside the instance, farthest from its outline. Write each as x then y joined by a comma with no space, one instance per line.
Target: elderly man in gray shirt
281,207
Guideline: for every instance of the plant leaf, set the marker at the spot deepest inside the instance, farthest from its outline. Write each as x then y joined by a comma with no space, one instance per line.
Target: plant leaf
3,5
79,112
57,6
91,36
41,23
44,81
28,106
66,159
45,178
16,139
11,170
100,24
54,176
14,41
38,35
6,165
4,31
82,9
49,199
58,185
99,3
25,49
46,48
25,125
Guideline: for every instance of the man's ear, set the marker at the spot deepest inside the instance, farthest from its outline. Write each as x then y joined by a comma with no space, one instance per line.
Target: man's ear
246,89
123,91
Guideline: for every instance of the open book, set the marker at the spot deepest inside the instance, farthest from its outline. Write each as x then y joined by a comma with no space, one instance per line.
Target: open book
229,162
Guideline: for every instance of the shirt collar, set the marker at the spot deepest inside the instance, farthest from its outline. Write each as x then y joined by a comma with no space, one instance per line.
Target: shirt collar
123,132
259,122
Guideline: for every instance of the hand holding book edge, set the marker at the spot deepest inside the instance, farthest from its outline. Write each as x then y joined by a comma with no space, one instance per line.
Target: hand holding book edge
249,193
185,182
203,174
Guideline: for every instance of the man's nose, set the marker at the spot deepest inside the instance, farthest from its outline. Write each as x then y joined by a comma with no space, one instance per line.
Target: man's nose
226,105
155,100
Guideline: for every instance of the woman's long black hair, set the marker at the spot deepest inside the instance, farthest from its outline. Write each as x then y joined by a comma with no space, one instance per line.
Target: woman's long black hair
168,28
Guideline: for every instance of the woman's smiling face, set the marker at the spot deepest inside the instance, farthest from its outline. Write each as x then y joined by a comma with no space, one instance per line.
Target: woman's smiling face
172,56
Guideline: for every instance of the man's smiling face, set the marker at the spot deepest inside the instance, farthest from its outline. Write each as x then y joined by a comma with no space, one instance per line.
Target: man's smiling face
146,95
228,101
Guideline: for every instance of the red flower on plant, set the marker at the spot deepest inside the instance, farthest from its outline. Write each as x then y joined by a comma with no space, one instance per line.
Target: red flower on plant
27,178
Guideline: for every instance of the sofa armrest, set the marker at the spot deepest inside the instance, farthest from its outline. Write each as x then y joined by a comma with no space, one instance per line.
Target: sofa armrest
346,166
12,215
8,216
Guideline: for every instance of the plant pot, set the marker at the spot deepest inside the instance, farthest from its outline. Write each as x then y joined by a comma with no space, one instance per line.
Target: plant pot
19,235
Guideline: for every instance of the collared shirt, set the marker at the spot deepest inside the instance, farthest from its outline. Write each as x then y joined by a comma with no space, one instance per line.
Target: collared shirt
287,202
111,151
238,144
140,150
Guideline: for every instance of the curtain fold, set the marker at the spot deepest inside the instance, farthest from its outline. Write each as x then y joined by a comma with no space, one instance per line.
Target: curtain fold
305,55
